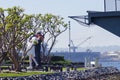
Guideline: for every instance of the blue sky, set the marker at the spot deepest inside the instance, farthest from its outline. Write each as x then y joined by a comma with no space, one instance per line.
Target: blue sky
65,8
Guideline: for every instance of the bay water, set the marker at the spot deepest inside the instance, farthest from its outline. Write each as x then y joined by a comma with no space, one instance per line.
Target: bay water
111,63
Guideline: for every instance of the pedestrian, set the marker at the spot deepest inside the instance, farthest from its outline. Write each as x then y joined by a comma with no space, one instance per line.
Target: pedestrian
40,38
31,51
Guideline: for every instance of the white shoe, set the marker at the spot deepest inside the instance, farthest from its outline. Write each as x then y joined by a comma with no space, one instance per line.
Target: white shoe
29,67
36,64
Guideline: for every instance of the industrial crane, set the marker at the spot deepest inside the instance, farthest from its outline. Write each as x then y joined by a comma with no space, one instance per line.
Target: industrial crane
73,47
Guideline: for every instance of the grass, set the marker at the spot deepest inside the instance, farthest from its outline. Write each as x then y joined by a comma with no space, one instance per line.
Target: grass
18,74
79,69
15,74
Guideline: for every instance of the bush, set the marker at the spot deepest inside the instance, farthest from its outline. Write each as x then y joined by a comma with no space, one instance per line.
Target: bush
59,60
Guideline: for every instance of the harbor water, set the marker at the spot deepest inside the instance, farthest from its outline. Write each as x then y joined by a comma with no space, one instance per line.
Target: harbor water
111,63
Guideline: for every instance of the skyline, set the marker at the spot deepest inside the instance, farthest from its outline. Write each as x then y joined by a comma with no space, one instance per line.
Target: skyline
79,33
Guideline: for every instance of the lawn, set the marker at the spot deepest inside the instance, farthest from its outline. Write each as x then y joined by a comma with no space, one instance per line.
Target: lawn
16,74
79,69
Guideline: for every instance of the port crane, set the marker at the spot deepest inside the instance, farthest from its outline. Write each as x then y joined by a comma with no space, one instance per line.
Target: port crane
71,44
73,47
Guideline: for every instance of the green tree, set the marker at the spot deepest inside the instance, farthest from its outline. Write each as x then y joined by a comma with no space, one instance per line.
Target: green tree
51,26
55,26
15,27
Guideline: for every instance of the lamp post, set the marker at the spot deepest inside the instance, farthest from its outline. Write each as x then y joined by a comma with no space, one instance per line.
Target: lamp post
105,5
69,45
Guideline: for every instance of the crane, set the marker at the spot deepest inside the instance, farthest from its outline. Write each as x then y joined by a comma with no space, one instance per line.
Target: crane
73,47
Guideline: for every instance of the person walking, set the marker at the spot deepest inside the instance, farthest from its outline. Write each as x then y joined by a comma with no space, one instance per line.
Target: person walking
31,51
40,38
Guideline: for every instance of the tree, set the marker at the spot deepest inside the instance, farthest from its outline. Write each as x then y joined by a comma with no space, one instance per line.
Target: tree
51,26
14,28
